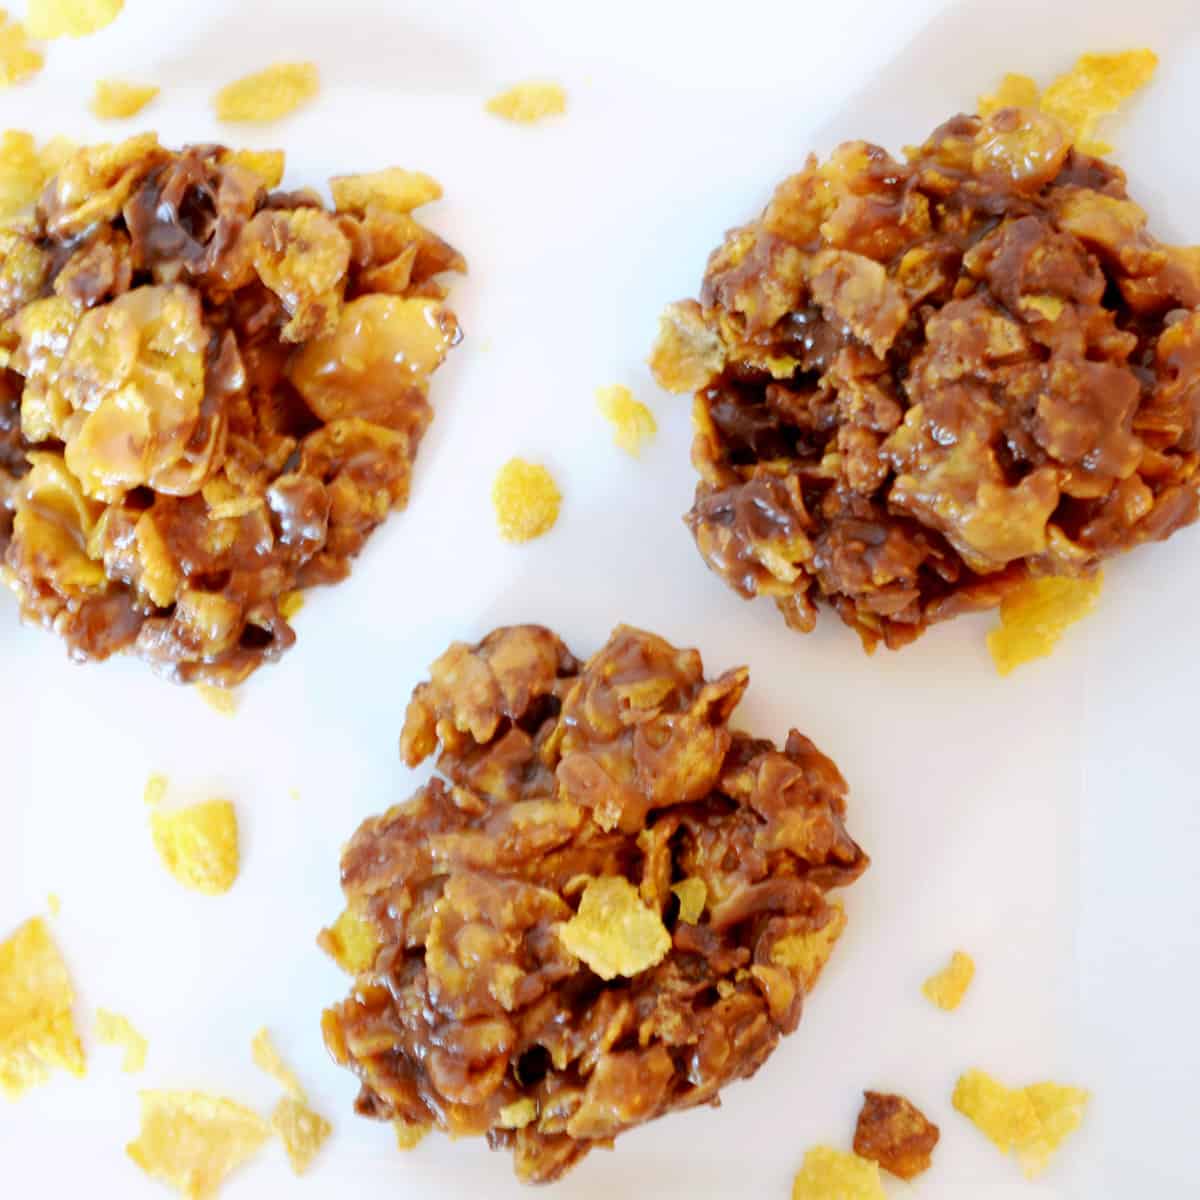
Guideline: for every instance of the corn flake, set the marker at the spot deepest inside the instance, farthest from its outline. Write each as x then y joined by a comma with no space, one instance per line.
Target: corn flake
613,931
828,1174
409,1135
18,59
947,987
114,100
267,1058
302,1131
632,421
1015,91
350,942
1060,1112
268,165
809,952
686,355
37,1028
529,102
693,895
393,189
54,904
112,1029
1034,616
268,95
220,700
290,603
155,790
526,500
70,18
192,1141
1095,87
199,845
519,1113
22,174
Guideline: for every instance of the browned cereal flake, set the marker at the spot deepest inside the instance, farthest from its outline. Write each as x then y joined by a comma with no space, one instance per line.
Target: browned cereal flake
894,1133
199,845
268,95
115,100
829,1174
947,987
692,895
408,1134
526,500
529,102
112,1029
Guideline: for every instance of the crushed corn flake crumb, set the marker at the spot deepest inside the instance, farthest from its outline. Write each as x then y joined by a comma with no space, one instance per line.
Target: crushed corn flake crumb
199,845
1095,87
1035,615
114,100
112,1029
526,500
220,700
155,790
54,904
409,1135
191,1140
70,18
693,895
393,189
614,932
302,1131
350,942
18,59
829,1174
267,1058
809,952
37,1027
631,420
519,1113
268,95
947,987
529,102
290,603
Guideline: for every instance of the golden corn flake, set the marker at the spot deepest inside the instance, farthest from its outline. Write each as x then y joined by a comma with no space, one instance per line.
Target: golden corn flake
1059,1110
1015,91
54,904
267,1058
1034,616
268,165
686,355
112,1029
613,931
114,100
199,845
526,500
809,952
290,603
37,1028
409,1135
947,987
529,102
828,1174
155,790
302,1131
18,59
22,172
519,1113
693,895
70,18
1094,87
268,95
393,189
350,942
632,421
220,700
192,1141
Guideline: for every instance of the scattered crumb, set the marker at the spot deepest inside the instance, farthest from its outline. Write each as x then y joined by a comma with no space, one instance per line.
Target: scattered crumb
526,500
114,100
829,1174
294,793
219,699
529,102
394,189
409,1135
267,1058
268,95
350,942
896,1134
199,845
18,59
1035,615
631,420
156,790
112,1029
54,904
302,1131
70,18
290,603
947,987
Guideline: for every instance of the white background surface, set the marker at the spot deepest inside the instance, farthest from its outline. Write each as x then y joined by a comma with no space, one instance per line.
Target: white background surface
1048,823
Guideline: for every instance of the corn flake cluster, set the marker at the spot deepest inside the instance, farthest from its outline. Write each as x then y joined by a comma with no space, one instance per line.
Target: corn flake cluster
214,392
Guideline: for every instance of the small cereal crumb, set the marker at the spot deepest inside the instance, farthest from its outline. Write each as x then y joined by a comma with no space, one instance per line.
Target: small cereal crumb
114,100
18,59
894,1133
1034,616
199,845
350,942
191,1140
112,1029
686,355
155,790
529,102
409,1135
947,987
829,1174
614,932
267,1058
809,952
268,95
1059,1110
632,421
54,904
290,603
519,1113
393,189
219,699
37,1027
1095,87
693,895
294,793
1015,91
526,500
268,165
70,18
302,1131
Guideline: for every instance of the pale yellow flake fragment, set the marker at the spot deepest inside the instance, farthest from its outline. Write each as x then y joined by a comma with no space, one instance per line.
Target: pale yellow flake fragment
829,1174
947,987
114,100
267,1058
302,1131
199,845
526,500
112,1029
614,932
1035,615
268,95
632,422
529,102
220,700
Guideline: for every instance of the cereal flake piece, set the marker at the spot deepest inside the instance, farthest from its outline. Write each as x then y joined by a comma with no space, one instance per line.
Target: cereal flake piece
155,790
1015,91
829,1174
269,94
268,165
809,952
1007,1116
18,59
947,987
613,931
37,1028
1035,615
114,100
693,895
22,172
267,1058
1060,1111
350,942
393,188
302,1131
687,355
290,603
632,421
112,1029
894,1133
220,699
519,1113
409,1134
529,102
54,904
199,845
192,1140
526,500
1095,87
70,18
